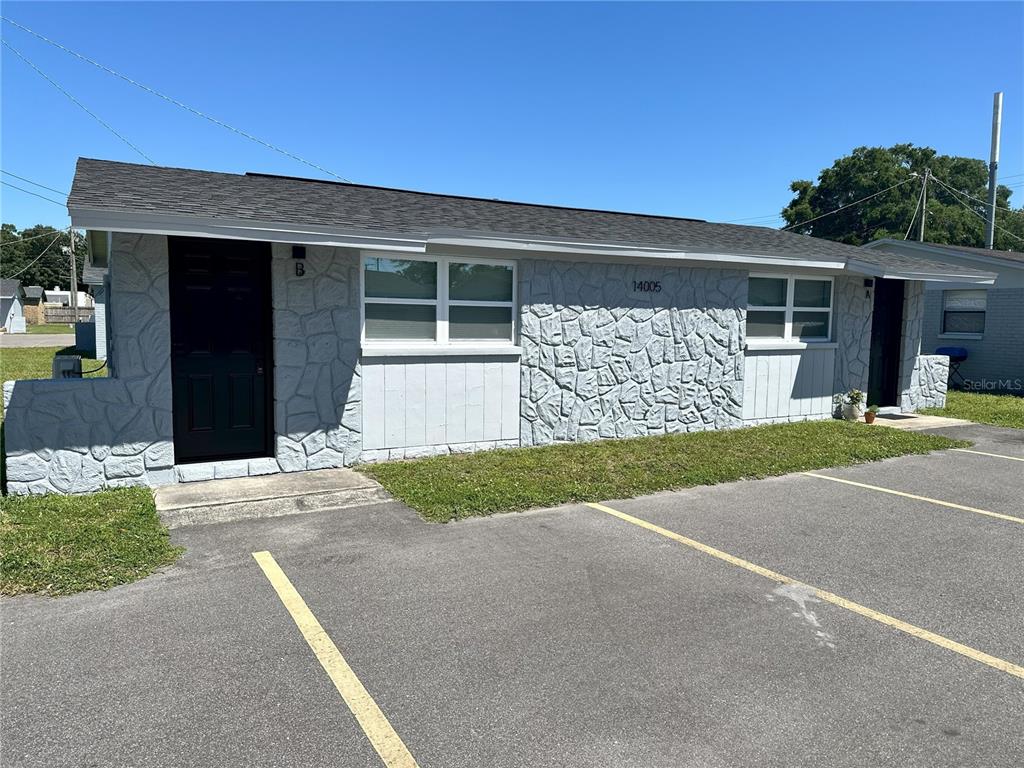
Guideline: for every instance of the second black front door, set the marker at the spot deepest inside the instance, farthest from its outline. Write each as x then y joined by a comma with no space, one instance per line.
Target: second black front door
886,335
221,345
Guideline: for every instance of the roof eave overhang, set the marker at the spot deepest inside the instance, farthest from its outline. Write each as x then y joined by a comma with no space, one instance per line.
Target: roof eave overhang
878,270
943,253
446,239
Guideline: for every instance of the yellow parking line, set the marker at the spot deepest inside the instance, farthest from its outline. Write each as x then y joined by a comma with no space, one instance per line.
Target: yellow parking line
993,455
375,725
922,634
950,504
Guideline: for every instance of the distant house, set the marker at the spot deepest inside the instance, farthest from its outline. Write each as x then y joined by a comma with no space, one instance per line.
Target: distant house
34,298
12,307
60,297
986,321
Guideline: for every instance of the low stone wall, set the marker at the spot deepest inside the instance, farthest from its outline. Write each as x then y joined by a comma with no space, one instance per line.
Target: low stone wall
928,383
80,435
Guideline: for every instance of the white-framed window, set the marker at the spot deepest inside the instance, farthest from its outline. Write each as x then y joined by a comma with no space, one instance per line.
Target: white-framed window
789,308
437,300
963,312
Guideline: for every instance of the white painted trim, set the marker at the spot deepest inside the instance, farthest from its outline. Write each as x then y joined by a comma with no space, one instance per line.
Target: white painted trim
789,309
960,336
439,350
442,302
760,344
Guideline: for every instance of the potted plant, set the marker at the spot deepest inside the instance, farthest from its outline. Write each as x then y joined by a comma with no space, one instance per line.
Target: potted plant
853,407
869,416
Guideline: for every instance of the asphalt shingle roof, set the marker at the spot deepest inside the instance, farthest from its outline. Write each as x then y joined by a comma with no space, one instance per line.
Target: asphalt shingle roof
116,187
9,288
33,291
1015,256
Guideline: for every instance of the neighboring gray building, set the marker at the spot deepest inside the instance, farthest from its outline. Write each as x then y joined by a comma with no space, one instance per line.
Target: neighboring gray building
262,324
12,309
95,278
986,320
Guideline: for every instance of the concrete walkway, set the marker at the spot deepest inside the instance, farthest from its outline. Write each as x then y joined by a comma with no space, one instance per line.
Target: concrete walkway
22,340
916,422
247,498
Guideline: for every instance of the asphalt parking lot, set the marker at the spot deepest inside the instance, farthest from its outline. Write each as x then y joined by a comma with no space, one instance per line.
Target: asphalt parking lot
562,637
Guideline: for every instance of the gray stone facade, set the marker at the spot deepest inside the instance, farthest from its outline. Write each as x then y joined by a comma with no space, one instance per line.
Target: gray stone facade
853,305
602,360
317,385
608,351
81,435
923,378
928,380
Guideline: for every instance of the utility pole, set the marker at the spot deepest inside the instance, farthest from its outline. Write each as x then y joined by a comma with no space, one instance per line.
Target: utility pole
924,205
73,295
993,165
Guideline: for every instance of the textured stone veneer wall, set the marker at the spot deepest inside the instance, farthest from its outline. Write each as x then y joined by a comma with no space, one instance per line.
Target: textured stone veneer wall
923,378
928,382
86,434
852,310
603,360
317,383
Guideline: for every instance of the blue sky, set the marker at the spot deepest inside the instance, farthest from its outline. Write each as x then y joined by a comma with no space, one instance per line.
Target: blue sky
704,110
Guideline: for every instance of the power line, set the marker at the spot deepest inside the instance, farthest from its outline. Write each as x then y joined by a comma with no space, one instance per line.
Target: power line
980,216
82,106
175,102
16,239
30,192
978,199
34,183
855,202
37,258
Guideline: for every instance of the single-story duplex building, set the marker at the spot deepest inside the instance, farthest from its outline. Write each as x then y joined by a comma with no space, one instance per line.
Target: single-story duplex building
12,306
260,324
985,320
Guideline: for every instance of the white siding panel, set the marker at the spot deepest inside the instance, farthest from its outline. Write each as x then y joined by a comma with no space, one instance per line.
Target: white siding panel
474,403
784,385
455,406
394,405
423,401
373,406
510,401
436,408
492,401
415,404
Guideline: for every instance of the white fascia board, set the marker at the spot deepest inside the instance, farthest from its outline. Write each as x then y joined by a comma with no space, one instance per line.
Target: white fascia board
244,229
537,246
877,270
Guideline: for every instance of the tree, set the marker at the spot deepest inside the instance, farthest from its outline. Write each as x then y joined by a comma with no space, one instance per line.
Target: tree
19,252
952,218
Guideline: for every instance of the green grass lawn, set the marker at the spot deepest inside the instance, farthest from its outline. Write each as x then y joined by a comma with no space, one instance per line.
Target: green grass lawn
58,545
36,362
446,488
49,328
1000,410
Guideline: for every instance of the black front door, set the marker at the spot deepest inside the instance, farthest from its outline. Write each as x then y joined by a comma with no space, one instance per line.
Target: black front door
886,332
221,342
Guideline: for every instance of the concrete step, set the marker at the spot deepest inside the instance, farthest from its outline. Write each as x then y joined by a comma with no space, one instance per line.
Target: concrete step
248,498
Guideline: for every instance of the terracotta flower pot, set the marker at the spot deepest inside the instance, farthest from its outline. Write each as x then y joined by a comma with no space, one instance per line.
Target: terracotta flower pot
869,417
